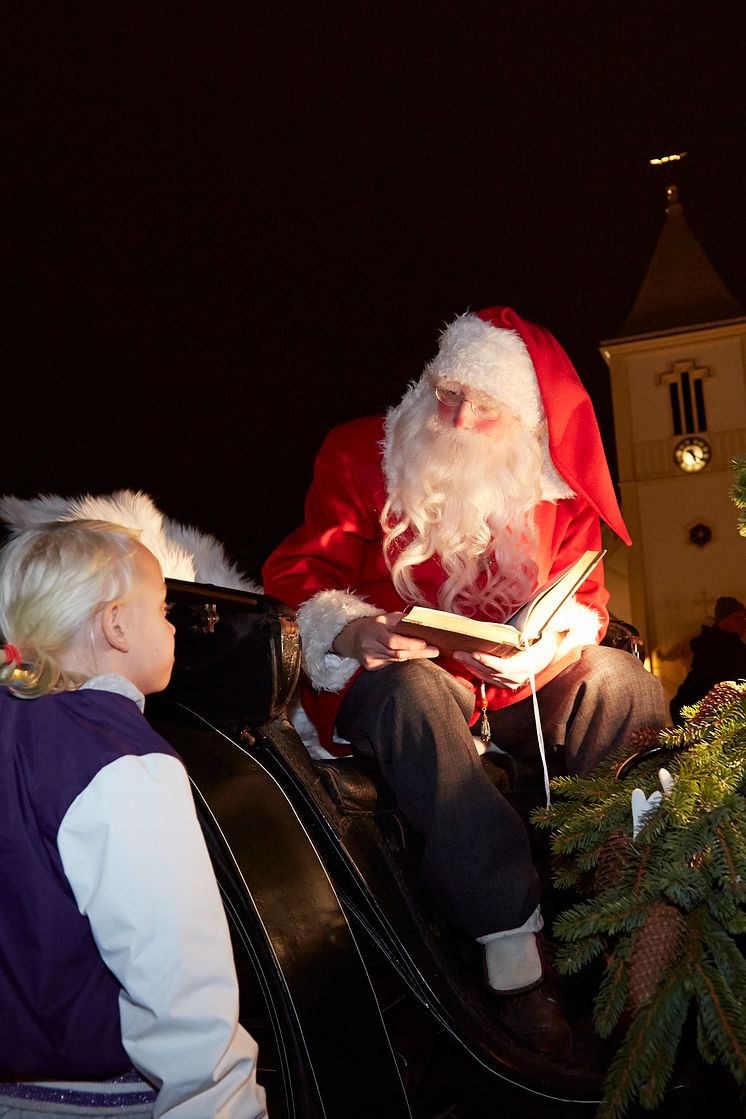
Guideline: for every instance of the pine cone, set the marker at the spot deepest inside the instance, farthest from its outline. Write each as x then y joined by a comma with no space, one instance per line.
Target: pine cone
719,697
613,859
658,945
644,738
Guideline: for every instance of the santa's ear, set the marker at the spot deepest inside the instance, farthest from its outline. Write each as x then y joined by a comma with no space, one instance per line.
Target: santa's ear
111,621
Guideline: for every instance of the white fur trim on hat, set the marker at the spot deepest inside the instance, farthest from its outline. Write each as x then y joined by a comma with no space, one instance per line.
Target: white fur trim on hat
320,619
492,360
553,485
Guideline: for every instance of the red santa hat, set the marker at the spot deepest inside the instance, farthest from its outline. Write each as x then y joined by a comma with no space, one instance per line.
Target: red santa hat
473,353
524,367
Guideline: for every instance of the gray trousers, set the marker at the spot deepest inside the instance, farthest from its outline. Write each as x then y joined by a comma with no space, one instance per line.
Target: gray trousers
413,718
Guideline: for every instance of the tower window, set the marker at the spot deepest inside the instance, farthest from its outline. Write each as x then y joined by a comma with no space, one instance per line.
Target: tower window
686,395
673,392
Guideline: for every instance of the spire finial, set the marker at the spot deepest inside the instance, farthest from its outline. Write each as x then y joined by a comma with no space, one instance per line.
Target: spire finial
672,190
674,157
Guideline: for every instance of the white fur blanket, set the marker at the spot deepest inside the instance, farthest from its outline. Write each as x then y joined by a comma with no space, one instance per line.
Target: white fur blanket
183,552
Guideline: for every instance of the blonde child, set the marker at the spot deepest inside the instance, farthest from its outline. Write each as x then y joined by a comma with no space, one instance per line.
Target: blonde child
117,983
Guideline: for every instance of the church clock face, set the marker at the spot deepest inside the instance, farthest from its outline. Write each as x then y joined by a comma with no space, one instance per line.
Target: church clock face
692,454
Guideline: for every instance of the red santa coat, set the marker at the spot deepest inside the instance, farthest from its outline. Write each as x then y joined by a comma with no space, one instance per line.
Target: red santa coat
339,547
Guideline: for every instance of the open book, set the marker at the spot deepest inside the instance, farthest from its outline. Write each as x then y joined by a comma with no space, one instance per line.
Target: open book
451,632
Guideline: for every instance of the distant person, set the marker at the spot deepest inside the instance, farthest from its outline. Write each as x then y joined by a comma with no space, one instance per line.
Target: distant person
117,982
487,479
718,653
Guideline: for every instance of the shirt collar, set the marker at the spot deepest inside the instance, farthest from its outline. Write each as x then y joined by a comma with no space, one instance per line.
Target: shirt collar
113,682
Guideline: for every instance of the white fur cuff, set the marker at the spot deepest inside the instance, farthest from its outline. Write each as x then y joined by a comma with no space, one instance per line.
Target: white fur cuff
581,624
320,620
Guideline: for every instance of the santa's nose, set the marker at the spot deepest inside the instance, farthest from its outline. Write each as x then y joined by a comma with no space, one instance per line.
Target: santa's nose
463,416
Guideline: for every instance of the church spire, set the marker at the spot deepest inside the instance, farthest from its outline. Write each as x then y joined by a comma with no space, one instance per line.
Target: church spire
681,288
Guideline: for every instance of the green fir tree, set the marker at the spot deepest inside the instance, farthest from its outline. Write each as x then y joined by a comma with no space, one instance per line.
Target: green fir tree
665,911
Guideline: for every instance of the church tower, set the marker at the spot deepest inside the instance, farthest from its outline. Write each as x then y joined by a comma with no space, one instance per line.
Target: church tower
678,380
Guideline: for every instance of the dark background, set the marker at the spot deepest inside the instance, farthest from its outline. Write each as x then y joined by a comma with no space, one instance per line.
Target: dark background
232,226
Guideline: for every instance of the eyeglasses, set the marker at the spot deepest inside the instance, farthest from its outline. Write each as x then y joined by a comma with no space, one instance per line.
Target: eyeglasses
453,399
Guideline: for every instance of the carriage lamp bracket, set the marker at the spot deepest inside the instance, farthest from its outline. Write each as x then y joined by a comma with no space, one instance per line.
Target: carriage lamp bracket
206,617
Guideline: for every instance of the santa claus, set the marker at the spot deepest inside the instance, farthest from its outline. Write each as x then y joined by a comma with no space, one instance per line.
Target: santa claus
486,480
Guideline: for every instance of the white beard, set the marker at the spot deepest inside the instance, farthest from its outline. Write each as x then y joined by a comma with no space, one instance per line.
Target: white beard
465,498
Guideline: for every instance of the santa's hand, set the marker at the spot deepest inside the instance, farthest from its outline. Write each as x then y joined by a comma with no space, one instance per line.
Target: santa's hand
513,672
372,642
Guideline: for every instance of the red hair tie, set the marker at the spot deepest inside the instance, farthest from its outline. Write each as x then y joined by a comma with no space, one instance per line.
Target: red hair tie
12,655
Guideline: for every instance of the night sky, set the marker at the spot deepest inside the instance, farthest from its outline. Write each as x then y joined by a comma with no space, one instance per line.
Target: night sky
233,226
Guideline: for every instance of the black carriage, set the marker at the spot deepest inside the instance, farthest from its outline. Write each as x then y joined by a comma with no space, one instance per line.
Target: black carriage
364,1001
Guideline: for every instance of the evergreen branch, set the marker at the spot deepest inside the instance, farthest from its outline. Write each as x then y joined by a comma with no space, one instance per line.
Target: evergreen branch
568,876
727,956
669,1014
576,955
606,915
587,826
641,868
611,999
738,491
722,1019
735,860
726,912
690,854
706,1049
650,1041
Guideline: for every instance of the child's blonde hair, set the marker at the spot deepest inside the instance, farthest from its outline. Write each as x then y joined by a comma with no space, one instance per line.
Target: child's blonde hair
54,578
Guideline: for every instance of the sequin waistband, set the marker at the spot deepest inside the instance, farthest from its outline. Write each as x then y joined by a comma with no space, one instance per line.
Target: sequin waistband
127,1090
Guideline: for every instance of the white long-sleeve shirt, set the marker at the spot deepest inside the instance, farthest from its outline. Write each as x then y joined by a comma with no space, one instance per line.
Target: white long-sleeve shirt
135,858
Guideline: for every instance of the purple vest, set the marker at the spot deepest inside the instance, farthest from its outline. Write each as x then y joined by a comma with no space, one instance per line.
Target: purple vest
60,1010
